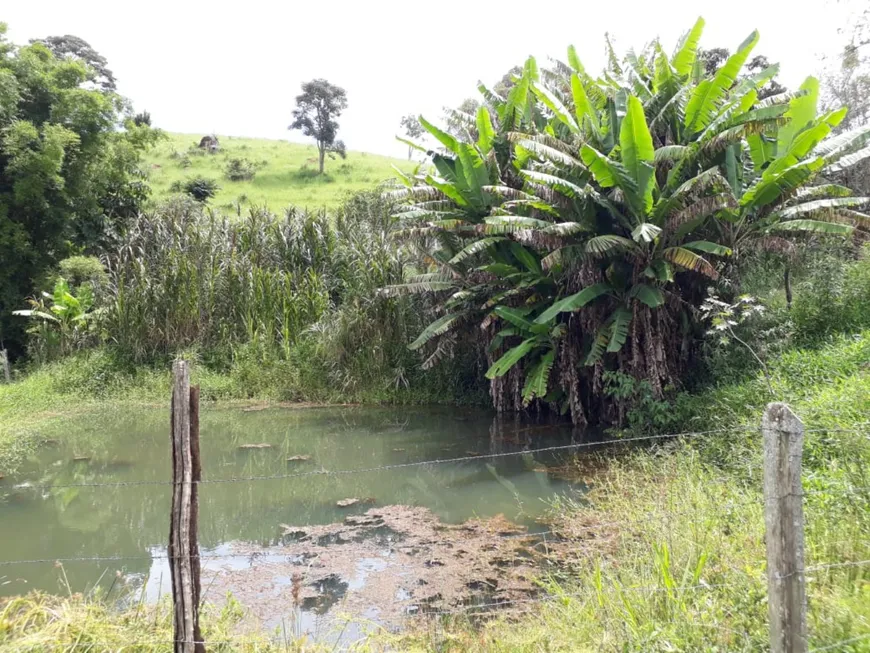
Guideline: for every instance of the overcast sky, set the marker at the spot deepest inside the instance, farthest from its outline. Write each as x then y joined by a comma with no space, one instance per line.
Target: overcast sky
235,67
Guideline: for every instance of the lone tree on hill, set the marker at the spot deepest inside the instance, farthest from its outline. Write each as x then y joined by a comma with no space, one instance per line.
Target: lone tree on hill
316,110
413,129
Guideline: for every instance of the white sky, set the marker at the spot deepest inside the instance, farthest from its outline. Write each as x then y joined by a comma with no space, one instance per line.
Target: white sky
235,67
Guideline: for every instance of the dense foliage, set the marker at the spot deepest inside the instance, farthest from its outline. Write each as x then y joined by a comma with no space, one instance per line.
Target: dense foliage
69,176
288,303
578,223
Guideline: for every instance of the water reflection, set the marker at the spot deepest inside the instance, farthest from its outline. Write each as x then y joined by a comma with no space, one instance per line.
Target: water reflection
130,446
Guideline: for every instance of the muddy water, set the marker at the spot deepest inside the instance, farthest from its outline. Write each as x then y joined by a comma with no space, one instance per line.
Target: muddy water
238,518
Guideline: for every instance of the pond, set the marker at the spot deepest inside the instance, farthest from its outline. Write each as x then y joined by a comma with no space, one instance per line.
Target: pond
131,445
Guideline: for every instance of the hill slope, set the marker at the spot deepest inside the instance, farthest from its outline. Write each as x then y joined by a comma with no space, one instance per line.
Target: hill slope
286,173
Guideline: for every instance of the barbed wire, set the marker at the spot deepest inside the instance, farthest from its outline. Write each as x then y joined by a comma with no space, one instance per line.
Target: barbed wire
830,565
253,555
382,468
841,643
835,565
565,534
559,534
422,463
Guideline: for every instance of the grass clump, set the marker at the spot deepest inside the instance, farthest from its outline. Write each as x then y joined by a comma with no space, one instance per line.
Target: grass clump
44,622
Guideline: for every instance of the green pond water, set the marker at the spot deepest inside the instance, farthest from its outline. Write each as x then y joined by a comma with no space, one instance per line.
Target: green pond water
127,445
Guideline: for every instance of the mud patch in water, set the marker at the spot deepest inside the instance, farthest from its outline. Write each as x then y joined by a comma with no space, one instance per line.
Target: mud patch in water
384,566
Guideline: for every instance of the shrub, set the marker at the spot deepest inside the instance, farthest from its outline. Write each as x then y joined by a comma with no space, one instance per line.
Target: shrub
833,299
143,118
78,270
202,189
240,169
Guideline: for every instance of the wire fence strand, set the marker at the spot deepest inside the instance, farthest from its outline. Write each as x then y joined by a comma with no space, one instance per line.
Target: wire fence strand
423,463
557,534
841,643
383,468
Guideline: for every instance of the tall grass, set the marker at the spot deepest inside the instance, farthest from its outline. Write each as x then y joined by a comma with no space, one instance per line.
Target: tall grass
298,291
185,276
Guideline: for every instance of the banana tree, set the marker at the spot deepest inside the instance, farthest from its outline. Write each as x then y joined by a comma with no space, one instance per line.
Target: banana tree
783,181
61,319
591,245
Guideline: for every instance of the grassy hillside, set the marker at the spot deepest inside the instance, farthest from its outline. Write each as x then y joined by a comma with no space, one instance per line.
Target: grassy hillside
286,172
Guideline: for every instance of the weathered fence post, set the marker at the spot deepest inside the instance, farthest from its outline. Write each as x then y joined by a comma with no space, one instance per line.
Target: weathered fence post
4,361
784,529
183,546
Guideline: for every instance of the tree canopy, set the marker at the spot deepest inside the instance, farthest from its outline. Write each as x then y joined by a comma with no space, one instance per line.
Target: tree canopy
317,108
69,172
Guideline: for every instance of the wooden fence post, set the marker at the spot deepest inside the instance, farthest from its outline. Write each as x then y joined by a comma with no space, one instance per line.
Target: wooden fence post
183,546
4,361
784,529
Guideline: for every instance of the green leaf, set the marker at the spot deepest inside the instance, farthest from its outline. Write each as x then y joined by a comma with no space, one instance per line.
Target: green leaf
767,190
40,314
475,171
525,257
849,160
575,301
574,60
646,232
500,269
687,48
822,206
708,247
412,144
475,248
799,148
485,131
660,270
446,139
440,326
555,105
636,148
619,329
515,317
607,173
649,295
761,149
606,243
513,356
538,377
598,346
801,112
837,146
817,226
405,179
582,106
670,153
705,100
687,259
548,153
449,189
